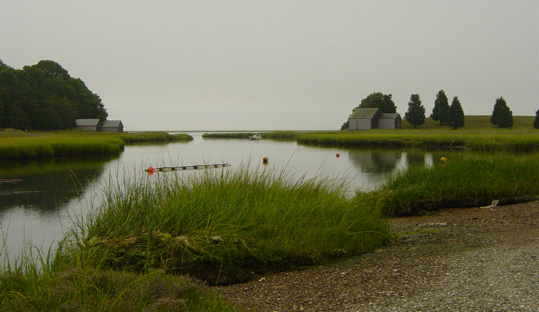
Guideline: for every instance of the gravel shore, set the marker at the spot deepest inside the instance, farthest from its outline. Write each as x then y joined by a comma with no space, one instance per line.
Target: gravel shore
477,259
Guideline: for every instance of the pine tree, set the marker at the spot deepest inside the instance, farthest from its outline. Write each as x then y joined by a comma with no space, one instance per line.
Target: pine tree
416,112
441,108
495,118
536,121
456,114
505,117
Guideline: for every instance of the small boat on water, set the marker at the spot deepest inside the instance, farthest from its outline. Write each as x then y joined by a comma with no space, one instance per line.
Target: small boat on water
255,137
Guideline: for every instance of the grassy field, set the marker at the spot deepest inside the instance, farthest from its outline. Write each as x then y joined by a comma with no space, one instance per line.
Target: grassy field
478,134
21,145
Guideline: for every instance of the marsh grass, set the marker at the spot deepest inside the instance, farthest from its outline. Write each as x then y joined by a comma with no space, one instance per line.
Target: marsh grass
47,280
69,143
467,180
228,226
477,140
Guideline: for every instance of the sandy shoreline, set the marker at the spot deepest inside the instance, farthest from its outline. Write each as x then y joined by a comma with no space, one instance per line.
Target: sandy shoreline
477,259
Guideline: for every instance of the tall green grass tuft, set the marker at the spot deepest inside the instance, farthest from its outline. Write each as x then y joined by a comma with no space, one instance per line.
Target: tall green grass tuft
228,226
467,180
47,280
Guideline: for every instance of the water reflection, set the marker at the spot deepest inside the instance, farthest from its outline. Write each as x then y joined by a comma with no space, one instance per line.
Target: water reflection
375,160
386,161
46,185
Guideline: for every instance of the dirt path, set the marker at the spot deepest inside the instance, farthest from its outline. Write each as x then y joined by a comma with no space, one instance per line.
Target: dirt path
478,259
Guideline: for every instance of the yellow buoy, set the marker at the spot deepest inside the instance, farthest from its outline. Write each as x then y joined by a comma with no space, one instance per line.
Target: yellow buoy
265,160
443,160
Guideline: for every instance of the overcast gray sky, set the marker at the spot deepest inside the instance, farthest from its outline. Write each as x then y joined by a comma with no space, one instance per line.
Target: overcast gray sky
275,65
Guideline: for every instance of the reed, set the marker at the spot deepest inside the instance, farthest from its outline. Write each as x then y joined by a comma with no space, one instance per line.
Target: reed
466,180
20,145
229,226
50,281
478,140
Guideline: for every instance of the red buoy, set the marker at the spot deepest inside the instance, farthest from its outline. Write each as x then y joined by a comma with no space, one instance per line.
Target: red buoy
338,155
150,170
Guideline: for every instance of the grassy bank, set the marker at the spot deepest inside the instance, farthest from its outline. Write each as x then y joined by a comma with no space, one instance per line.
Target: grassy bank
467,180
478,134
21,145
478,140
230,227
82,288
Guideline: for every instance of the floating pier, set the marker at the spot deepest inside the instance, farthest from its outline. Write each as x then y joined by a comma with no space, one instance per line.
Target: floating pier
2,181
151,170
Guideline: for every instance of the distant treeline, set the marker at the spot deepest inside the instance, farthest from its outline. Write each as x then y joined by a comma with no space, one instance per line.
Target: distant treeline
44,97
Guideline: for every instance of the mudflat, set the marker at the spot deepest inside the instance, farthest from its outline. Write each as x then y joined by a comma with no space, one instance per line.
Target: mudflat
474,259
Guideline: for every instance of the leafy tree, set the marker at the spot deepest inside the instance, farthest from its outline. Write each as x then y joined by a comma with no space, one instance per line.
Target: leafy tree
2,114
536,121
345,125
44,97
495,118
441,108
455,117
505,117
416,112
379,100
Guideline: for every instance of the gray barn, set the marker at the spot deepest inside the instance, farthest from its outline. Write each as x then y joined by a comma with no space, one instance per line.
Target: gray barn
372,118
89,124
364,119
390,121
114,126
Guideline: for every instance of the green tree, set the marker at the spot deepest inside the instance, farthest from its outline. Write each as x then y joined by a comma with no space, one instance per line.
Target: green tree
455,117
379,100
2,114
498,106
441,108
505,117
536,121
44,97
416,112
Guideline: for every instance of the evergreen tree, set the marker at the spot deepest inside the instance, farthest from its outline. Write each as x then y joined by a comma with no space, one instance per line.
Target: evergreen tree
455,117
536,121
416,112
441,108
495,118
505,117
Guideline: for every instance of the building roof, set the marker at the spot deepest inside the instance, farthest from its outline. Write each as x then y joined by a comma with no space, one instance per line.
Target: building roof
87,122
389,116
364,113
112,123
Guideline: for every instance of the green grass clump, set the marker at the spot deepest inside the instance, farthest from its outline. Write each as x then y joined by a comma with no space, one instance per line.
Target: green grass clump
467,180
88,289
227,227
152,137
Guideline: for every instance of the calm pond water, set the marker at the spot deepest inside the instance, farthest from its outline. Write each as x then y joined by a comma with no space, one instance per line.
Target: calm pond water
48,195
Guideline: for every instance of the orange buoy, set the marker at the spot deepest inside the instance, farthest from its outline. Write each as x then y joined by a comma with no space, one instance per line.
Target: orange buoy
265,160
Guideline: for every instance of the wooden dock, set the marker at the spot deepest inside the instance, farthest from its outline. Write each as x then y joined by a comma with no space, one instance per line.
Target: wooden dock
5,181
151,170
